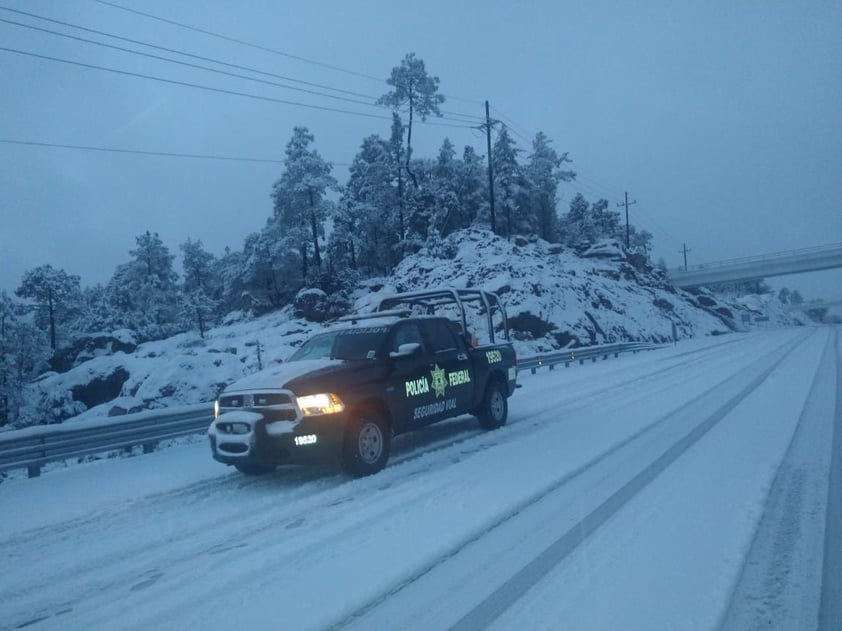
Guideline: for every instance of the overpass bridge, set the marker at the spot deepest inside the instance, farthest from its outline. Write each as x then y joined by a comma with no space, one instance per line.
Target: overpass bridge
756,267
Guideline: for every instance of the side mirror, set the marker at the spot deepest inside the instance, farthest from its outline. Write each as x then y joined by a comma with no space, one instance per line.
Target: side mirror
410,349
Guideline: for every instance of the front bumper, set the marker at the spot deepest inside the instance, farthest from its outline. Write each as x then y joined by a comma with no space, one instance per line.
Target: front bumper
250,437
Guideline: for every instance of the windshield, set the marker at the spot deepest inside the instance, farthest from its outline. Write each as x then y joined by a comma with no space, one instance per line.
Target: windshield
348,344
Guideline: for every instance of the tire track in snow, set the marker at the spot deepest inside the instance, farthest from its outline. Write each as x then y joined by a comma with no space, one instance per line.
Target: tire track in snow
778,586
414,462
830,609
300,480
494,604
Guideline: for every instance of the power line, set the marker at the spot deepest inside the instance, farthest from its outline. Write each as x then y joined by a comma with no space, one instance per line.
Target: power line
514,126
213,89
186,54
167,154
240,41
266,48
187,64
597,187
209,69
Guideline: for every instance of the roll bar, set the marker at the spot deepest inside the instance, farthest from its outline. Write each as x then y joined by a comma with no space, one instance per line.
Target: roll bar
430,300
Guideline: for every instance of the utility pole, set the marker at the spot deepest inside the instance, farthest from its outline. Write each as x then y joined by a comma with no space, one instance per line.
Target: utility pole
490,168
684,250
627,203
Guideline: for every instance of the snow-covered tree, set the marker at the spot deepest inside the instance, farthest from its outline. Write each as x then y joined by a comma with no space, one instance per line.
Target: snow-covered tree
640,240
24,351
472,190
444,173
588,223
510,190
543,172
229,273
300,206
56,295
366,234
416,90
201,287
605,223
270,267
97,313
397,150
144,290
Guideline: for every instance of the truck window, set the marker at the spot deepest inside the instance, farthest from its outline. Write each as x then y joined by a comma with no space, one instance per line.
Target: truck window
407,333
358,344
317,347
348,344
441,334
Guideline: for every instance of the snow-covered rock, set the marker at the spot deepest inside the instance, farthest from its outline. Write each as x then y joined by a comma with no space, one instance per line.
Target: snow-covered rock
557,299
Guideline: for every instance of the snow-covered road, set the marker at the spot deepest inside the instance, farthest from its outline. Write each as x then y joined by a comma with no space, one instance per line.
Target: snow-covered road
684,488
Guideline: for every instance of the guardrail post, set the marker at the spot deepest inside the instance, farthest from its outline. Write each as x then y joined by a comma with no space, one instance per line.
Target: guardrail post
34,470
552,367
567,364
532,370
148,448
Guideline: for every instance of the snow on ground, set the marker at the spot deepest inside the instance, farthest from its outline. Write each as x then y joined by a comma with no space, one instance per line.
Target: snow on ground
622,494
554,299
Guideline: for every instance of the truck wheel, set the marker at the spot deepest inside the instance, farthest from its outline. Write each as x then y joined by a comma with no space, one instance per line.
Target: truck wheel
254,469
494,409
368,441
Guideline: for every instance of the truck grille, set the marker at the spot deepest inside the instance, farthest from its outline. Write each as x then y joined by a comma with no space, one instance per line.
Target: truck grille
260,400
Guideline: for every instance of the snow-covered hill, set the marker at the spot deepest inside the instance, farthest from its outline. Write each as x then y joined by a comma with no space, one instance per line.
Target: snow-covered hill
554,298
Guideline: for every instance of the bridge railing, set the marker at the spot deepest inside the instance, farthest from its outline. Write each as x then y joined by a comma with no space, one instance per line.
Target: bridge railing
33,447
762,257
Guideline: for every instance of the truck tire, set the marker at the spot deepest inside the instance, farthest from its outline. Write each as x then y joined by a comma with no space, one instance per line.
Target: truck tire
494,409
254,469
368,442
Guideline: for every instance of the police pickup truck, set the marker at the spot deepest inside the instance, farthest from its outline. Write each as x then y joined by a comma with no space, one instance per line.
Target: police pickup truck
346,392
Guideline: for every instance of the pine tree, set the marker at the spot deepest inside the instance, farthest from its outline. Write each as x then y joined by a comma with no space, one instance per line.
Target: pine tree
396,143
417,90
586,224
56,294
24,350
367,234
144,290
300,206
543,171
471,189
229,271
201,288
511,194
605,223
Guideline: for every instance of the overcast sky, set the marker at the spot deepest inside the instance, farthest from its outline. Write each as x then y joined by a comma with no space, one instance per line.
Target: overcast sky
723,120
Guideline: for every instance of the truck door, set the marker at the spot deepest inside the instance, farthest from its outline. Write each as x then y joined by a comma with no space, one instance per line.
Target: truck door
455,378
411,389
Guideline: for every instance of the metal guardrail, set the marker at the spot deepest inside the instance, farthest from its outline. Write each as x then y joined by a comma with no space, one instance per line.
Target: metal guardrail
33,447
581,354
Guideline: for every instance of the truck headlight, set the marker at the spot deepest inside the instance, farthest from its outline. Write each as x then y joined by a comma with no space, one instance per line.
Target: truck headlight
313,404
